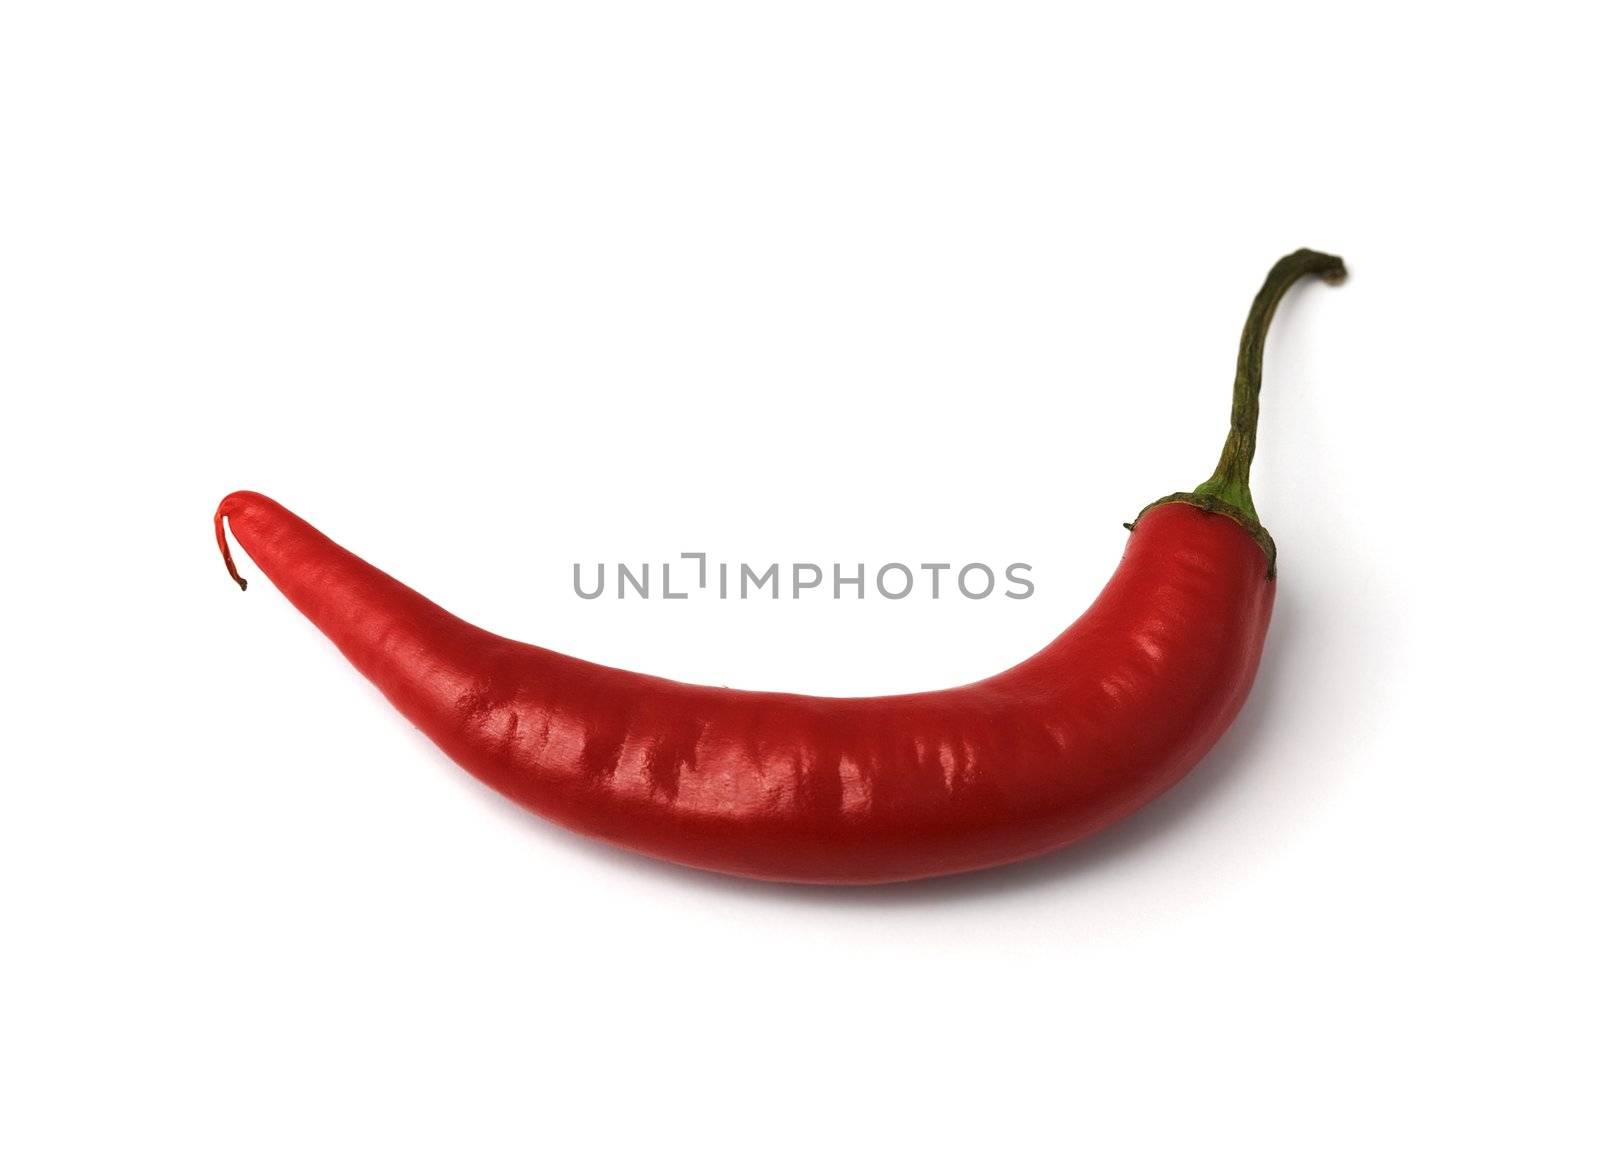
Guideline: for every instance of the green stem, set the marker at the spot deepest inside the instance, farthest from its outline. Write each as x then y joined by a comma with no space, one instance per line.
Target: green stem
1228,490
1230,484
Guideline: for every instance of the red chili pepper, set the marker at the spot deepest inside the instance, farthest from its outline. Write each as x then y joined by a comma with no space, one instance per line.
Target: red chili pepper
841,790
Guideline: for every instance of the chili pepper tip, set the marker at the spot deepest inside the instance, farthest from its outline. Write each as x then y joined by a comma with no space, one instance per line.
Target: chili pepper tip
227,556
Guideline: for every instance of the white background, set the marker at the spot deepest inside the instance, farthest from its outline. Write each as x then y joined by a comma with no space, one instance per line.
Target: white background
484,290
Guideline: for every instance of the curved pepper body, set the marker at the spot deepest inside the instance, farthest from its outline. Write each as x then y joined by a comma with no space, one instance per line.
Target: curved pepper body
843,790
819,789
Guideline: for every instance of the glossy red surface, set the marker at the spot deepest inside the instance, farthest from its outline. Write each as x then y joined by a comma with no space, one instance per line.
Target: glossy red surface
819,789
